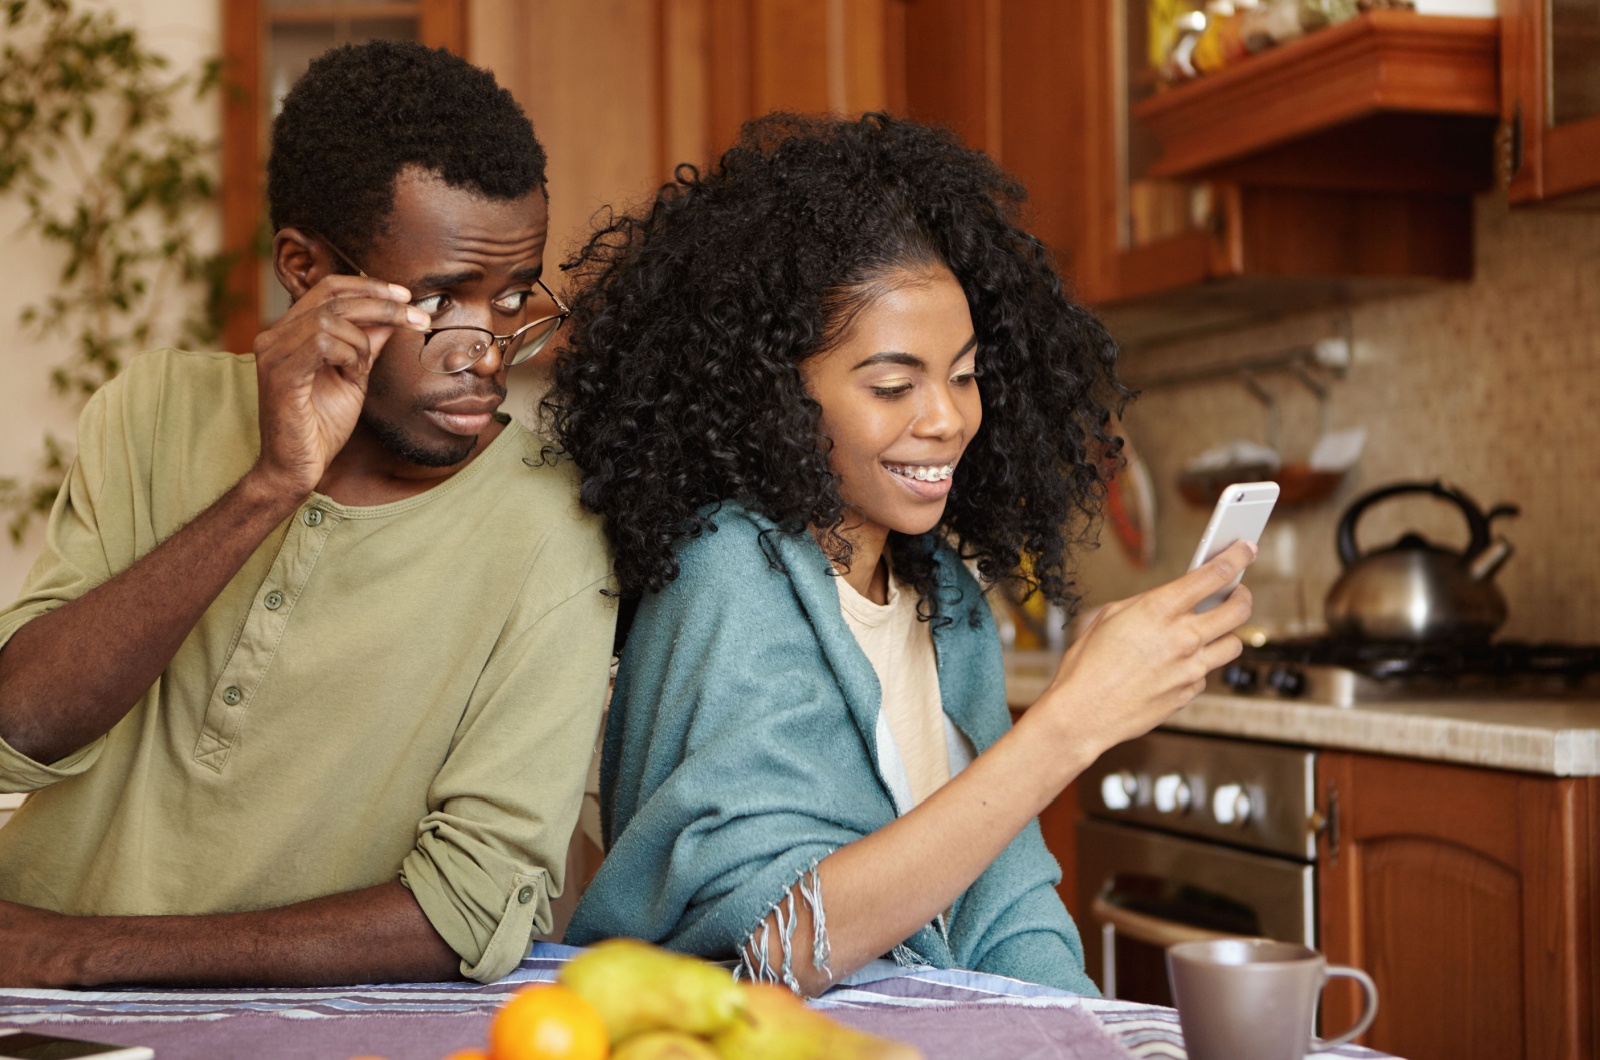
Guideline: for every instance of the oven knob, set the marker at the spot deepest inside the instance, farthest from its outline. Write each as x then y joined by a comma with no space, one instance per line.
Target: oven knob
1117,790
1171,794
1239,677
1286,682
1230,804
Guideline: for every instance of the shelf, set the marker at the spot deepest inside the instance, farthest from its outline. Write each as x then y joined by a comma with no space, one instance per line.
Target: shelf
1389,100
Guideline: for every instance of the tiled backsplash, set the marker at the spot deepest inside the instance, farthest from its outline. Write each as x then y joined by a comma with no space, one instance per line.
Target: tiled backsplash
1493,386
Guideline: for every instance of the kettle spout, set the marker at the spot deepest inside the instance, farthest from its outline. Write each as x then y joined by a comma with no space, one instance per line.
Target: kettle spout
1485,563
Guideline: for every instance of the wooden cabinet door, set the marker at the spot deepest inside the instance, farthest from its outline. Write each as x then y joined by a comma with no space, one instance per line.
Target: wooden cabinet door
1469,896
1550,81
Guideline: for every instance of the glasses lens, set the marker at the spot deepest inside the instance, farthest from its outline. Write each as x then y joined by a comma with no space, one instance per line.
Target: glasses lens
452,350
530,342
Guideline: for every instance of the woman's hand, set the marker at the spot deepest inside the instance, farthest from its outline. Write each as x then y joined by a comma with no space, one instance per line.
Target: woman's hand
1141,659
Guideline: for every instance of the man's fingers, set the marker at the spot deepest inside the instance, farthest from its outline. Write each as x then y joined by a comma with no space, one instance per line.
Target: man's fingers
1182,594
336,285
342,344
378,312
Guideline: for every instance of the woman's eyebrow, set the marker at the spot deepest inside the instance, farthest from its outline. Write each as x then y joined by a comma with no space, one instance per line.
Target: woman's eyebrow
909,360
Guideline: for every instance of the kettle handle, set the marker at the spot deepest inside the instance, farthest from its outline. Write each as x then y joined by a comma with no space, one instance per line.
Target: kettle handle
1477,523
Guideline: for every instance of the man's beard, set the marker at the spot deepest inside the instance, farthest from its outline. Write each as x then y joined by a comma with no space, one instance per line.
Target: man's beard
394,438
403,445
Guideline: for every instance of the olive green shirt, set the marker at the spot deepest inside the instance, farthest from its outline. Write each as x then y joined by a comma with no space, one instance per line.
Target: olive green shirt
406,691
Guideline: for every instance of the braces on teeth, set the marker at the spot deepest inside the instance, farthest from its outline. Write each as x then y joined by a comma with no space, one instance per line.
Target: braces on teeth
924,474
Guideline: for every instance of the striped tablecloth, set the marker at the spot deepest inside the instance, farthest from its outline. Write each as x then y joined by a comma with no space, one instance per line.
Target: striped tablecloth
942,1012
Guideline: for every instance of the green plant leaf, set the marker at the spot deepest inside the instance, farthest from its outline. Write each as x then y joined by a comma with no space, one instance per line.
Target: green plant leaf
111,187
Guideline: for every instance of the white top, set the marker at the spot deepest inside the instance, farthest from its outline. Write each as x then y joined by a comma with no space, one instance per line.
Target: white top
918,748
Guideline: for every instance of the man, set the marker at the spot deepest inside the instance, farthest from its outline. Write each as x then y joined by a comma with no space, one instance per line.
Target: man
307,679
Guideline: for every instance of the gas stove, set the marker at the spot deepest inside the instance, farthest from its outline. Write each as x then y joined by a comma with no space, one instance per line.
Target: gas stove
1343,672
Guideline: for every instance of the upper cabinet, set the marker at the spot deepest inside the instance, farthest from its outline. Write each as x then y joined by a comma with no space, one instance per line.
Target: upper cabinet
267,45
1550,144
1334,167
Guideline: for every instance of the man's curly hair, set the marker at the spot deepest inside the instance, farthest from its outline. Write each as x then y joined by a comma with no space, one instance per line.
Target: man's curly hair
680,385
363,112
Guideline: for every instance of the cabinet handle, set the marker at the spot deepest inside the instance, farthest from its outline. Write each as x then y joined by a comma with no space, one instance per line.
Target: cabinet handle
1508,146
1333,824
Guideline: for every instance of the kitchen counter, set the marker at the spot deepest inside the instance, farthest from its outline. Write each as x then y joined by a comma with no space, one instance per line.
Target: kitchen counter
1550,736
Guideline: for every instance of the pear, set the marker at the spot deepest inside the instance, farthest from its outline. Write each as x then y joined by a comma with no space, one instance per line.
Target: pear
637,987
664,1045
778,1026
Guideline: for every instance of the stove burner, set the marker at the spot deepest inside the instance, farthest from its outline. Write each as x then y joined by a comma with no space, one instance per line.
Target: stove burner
1344,671
1386,659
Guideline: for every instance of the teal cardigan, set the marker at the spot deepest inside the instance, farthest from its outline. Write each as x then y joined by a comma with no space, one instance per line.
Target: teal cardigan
741,750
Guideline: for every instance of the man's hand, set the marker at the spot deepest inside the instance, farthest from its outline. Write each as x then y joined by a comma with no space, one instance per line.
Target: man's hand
375,935
311,371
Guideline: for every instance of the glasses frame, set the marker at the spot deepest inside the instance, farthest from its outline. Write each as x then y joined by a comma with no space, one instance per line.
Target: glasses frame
501,342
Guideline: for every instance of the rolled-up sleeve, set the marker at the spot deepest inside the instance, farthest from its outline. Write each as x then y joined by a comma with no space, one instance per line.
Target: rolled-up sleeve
75,558
491,852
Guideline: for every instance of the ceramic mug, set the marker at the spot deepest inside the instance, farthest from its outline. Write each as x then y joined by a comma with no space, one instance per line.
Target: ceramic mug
1255,999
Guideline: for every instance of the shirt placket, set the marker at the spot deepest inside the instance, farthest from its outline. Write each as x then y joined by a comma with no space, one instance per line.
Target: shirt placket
247,664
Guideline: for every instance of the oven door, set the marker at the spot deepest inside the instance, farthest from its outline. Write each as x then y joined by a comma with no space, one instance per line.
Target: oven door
1141,890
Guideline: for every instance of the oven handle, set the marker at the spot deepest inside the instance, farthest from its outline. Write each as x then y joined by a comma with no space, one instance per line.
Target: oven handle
1141,927
1155,930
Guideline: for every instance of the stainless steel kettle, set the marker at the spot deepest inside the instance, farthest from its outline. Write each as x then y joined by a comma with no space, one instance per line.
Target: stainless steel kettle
1415,590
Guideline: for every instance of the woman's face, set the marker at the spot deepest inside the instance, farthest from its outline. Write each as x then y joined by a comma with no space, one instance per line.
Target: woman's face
899,399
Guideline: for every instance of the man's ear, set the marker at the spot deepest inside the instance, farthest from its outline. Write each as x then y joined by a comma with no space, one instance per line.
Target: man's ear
299,260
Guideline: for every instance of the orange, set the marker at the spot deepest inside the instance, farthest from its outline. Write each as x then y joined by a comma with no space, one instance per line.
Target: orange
548,1022
468,1054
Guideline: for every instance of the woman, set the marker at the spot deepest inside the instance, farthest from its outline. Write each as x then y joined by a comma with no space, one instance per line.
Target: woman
809,390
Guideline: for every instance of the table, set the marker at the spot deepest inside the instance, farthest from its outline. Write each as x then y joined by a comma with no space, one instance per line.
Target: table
948,1014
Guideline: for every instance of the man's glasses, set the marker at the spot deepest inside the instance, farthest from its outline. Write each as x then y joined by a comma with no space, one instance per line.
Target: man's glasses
455,348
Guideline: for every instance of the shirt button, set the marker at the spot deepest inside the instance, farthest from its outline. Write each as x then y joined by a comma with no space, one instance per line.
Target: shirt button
313,517
525,895
274,600
231,695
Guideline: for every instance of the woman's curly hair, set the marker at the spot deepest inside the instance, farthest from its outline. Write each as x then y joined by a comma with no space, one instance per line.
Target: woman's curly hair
680,384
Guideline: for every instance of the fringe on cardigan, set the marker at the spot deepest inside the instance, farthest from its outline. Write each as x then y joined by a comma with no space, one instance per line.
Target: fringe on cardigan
755,953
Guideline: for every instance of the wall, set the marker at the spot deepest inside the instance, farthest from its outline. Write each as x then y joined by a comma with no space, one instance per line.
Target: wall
1492,385
187,32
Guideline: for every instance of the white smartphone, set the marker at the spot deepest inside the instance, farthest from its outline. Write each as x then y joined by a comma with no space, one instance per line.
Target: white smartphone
1240,515
21,1045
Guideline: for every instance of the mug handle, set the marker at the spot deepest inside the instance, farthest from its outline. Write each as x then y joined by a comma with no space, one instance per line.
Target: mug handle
1369,1005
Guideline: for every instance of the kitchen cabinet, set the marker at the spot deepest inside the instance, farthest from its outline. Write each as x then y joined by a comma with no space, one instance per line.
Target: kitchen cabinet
1550,63
1059,823
1334,168
1472,897
266,45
